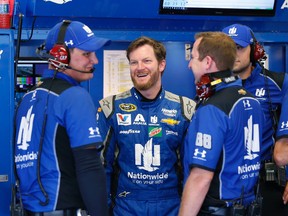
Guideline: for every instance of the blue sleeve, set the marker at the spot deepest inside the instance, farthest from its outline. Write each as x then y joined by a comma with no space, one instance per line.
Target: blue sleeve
76,112
282,130
91,180
107,133
204,142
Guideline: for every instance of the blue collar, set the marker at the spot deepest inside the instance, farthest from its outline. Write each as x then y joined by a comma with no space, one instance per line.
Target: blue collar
49,73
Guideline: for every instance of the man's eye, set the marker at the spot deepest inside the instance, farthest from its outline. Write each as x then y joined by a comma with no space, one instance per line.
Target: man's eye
133,63
239,47
147,61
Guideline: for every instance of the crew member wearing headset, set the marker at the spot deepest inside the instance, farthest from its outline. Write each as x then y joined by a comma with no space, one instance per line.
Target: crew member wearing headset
57,139
143,129
269,88
222,146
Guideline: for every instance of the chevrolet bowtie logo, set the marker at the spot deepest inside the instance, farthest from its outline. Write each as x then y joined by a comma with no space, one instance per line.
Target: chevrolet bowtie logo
123,194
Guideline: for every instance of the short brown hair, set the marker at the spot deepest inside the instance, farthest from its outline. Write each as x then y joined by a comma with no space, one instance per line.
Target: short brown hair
219,46
158,47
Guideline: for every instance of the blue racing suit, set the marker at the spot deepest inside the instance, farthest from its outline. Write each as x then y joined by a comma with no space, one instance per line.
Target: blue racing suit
224,137
142,141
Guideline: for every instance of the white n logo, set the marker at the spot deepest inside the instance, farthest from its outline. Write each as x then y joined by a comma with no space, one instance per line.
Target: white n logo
251,139
147,153
25,130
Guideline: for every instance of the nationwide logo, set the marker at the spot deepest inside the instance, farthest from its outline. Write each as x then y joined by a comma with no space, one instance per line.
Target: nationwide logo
170,121
251,142
147,157
58,1
154,119
260,92
248,168
29,156
25,130
123,119
155,131
128,107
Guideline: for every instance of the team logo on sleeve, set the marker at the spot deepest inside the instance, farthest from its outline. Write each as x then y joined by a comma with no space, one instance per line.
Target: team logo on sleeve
284,125
198,153
93,132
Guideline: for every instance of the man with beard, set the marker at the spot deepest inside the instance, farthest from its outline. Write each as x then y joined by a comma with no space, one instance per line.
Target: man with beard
269,88
143,130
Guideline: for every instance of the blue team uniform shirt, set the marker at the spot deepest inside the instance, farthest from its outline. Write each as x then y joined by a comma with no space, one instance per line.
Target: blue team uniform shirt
269,88
224,137
65,99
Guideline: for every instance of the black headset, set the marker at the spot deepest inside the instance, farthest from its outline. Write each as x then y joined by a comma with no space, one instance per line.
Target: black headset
257,51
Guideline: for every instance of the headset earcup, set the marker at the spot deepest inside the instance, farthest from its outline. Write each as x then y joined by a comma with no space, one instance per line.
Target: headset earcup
61,53
259,52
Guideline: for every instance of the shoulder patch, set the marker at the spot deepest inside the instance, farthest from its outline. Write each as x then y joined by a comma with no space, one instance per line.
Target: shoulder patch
172,96
188,107
107,105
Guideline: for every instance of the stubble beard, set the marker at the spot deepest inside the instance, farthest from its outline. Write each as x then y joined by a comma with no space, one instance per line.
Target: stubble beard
147,85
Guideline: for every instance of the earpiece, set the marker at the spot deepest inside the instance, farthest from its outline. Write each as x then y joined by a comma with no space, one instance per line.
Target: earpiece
204,89
59,51
257,51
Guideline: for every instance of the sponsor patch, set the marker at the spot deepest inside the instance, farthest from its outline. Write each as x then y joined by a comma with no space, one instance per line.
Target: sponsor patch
127,107
155,131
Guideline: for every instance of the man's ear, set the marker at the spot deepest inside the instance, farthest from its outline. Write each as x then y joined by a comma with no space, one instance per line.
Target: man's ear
209,62
162,65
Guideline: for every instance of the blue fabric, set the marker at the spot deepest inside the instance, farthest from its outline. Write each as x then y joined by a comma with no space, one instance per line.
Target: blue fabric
224,137
146,136
71,124
268,90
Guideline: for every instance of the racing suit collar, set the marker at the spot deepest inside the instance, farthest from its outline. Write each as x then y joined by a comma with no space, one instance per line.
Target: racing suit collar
147,102
255,73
